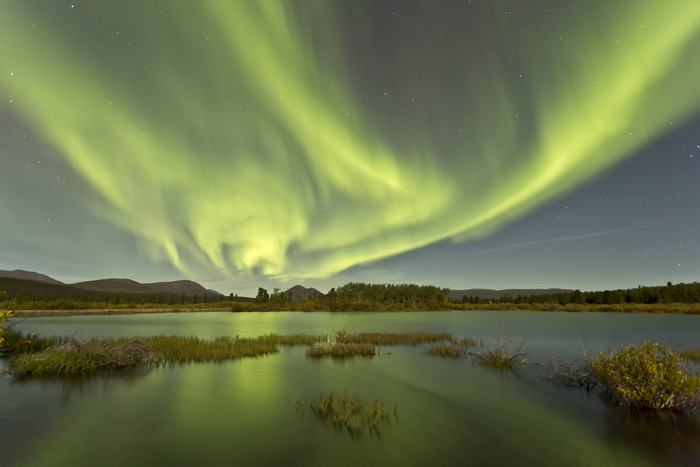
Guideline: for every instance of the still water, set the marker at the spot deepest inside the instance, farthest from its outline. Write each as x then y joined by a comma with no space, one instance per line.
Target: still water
255,411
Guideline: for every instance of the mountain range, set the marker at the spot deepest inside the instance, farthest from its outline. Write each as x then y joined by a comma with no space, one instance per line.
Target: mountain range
34,282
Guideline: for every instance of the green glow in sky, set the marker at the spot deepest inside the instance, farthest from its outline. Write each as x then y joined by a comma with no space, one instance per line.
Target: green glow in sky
244,137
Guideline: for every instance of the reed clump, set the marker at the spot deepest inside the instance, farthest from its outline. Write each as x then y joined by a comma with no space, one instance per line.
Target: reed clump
504,354
650,376
391,338
76,357
445,349
342,350
350,411
193,349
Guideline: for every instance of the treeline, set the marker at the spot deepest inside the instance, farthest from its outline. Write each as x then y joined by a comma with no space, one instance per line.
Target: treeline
357,296
670,293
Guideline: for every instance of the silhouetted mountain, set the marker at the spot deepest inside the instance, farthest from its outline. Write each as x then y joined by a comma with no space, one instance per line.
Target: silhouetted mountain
24,289
490,294
128,286
28,275
299,292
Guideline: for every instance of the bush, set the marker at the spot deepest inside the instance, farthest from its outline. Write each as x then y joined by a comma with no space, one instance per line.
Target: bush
647,376
4,315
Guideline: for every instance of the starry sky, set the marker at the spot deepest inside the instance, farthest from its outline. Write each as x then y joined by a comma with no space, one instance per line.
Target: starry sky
266,143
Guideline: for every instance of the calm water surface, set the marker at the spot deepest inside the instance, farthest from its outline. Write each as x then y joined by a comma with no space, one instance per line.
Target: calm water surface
255,411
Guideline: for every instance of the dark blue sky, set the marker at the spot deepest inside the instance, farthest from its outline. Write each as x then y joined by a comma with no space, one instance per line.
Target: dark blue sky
462,144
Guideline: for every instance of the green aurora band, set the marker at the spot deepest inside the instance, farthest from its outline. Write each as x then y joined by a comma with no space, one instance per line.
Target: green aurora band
237,136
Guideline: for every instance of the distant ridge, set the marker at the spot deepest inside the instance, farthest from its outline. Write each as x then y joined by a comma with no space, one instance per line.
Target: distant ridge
490,294
112,285
128,286
299,292
29,276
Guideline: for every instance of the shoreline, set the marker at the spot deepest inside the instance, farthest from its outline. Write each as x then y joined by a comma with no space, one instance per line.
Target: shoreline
110,311
673,309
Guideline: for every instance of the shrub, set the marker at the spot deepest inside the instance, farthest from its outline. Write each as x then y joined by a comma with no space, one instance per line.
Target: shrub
4,315
647,376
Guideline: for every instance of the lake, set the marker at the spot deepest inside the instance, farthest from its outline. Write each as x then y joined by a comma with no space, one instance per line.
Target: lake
256,411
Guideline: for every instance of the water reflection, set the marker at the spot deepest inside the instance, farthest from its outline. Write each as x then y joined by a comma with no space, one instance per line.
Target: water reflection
248,411
664,435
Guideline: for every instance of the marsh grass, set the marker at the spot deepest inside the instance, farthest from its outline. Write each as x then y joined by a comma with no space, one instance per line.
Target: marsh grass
692,354
350,411
76,357
391,338
342,350
650,376
503,354
453,349
59,356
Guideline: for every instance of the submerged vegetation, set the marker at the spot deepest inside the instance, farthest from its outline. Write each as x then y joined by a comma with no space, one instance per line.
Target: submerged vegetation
350,411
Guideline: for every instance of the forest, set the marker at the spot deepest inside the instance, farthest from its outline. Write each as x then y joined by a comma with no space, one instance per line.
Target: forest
20,294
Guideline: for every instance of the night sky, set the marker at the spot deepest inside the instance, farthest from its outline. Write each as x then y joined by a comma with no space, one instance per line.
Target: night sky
241,144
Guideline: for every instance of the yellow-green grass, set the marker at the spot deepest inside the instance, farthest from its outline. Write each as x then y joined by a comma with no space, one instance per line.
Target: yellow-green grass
648,376
350,411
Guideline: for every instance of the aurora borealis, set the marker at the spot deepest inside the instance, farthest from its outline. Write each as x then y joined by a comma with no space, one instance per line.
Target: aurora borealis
271,142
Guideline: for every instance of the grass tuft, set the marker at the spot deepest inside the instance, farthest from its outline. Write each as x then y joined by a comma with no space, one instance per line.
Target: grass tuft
453,349
502,355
